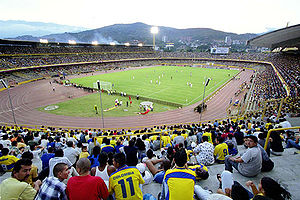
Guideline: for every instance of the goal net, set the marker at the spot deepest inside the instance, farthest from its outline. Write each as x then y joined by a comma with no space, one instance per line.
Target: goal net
103,85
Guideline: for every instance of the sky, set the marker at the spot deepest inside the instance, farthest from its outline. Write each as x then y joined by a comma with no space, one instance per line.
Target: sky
237,16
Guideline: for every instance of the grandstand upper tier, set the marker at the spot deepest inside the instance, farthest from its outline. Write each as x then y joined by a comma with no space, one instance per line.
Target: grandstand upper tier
284,39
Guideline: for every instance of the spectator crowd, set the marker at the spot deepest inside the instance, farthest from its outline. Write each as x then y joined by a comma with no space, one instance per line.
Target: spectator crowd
49,163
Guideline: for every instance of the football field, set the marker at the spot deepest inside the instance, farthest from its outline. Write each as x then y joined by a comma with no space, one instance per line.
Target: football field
181,85
171,84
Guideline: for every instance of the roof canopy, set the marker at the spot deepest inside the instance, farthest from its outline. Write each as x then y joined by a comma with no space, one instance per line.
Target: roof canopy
288,37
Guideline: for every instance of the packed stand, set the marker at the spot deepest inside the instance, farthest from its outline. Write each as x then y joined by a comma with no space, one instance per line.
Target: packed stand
78,164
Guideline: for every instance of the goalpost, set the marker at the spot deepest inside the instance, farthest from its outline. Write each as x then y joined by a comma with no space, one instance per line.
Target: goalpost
103,85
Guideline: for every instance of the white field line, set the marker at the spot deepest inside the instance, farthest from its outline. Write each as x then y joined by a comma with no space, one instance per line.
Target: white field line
158,91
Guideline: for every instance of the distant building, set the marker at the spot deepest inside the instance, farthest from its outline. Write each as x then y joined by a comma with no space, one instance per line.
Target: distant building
164,38
169,45
228,40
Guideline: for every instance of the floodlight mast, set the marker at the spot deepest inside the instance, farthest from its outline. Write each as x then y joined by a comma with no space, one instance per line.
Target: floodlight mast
99,87
154,31
11,105
202,104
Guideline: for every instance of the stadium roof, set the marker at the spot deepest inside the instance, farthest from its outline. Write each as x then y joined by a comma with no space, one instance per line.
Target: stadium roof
284,38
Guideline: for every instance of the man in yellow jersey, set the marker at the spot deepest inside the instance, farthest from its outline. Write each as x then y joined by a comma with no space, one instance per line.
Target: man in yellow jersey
7,162
221,150
179,182
209,135
124,182
200,170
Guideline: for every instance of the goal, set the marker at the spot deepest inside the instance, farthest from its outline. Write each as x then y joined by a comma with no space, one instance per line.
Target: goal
103,85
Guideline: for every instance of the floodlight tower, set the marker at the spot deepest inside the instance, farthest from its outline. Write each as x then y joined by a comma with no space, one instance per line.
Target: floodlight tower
154,31
99,88
202,104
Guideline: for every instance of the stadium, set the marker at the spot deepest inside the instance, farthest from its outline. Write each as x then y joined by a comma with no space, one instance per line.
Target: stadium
45,88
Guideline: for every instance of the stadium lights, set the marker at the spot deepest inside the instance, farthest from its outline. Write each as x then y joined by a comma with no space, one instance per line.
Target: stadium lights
202,105
112,43
45,41
72,42
127,44
95,43
154,31
140,44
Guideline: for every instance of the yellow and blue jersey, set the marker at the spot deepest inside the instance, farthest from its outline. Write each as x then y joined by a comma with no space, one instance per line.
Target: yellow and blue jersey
125,183
179,184
166,140
221,150
208,134
8,162
193,168
108,148
113,142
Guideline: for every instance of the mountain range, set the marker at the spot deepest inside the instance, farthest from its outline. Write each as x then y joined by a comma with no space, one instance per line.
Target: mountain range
118,33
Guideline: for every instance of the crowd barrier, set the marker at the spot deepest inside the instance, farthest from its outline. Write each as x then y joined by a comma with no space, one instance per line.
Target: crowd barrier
277,129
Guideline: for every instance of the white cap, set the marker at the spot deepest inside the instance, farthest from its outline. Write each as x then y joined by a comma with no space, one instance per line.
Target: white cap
141,167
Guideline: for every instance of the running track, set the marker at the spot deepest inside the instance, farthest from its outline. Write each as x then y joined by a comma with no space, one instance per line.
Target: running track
27,97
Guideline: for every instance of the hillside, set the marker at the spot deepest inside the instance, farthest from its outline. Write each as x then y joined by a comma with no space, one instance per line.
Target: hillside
121,33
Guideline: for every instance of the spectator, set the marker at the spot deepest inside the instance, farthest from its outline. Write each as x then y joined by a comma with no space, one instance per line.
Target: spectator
104,170
205,152
179,182
147,176
250,163
107,147
158,173
221,150
16,187
239,136
71,153
86,186
95,157
53,187
268,189
262,141
33,175
276,143
84,152
122,176
131,153
7,162
293,143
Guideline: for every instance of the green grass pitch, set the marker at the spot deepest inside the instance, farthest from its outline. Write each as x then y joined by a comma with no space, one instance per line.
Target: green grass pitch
167,83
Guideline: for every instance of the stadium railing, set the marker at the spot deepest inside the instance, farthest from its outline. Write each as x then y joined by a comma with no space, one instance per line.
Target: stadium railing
277,129
265,107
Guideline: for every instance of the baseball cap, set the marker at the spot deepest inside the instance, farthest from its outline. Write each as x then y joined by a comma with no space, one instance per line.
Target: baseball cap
141,167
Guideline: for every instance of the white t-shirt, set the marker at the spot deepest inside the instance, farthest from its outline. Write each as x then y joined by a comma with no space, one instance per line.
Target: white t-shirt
71,154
